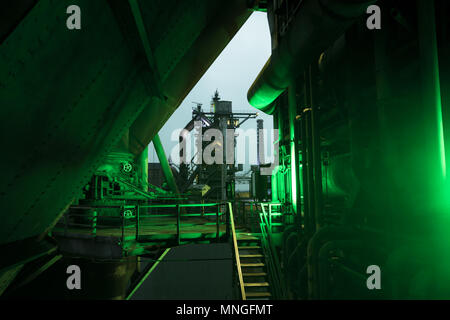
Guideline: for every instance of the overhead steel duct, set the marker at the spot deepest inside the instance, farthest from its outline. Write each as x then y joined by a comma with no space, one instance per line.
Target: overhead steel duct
220,26
317,24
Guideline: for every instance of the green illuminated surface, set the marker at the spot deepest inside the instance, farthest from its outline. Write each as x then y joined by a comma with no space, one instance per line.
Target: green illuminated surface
68,97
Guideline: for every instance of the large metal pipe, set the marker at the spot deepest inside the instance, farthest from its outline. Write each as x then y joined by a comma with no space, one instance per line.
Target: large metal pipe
321,237
295,163
167,171
317,25
307,172
323,267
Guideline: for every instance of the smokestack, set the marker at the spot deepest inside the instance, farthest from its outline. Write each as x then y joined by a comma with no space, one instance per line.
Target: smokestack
260,141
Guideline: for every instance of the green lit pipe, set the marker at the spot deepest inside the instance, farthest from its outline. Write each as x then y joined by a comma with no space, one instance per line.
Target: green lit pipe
317,25
308,205
143,163
274,178
165,164
274,185
293,139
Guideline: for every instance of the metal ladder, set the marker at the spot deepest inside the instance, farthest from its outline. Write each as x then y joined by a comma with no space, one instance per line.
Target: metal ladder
253,266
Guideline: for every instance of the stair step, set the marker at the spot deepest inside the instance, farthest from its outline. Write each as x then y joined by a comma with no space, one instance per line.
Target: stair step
249,247
252,264
246,238
254,274
256,284
251,256
257,294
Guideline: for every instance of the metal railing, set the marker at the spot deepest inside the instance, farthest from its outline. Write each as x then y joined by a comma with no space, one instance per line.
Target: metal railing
93,222
236,252
273,261
261,219
131,216
247,215
178,215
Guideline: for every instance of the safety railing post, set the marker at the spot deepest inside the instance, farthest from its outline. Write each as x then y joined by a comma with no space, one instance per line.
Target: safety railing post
137,222
203,208
94,223
178,225
123,226
270,219
252,217
244,217
227,222
235,280
217,223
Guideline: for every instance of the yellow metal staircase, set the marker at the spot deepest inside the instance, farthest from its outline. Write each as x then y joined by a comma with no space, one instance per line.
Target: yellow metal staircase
252,266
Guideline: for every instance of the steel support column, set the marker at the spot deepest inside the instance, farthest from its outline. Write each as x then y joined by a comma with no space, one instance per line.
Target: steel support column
165,164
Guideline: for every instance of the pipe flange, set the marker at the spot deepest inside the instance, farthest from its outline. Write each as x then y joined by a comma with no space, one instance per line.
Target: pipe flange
127,167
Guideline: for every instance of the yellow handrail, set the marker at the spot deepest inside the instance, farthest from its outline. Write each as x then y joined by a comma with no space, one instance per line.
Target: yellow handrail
236,253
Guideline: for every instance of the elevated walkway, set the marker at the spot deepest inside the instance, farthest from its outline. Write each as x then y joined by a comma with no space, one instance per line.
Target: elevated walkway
140,229
164,226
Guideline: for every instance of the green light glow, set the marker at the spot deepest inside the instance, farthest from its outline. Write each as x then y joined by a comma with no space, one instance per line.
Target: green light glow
293,177
440,128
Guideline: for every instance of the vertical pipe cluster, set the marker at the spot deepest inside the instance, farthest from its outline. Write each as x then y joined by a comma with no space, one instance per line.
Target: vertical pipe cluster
315,151
316,25
276,150
308,192
260,141
311,156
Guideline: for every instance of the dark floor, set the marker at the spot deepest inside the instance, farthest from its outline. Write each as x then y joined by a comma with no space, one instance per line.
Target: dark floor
177,278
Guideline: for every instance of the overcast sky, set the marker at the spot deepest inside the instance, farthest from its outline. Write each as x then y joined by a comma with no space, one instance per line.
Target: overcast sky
232,74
